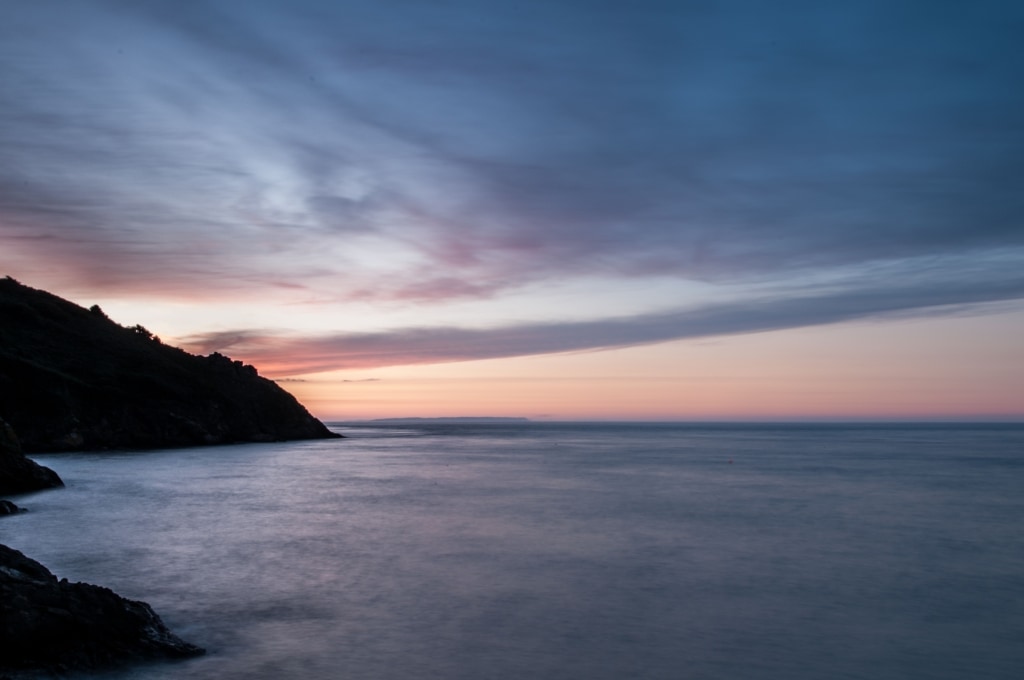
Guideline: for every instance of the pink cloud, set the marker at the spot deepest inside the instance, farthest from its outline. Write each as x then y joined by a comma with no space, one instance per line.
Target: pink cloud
282,355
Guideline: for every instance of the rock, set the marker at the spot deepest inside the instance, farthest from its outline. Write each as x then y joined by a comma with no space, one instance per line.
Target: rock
8,508
18,474
58,627
72,379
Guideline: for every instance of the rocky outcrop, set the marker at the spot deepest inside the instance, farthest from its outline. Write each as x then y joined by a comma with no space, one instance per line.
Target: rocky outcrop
72,379
18,474
8,508
57,626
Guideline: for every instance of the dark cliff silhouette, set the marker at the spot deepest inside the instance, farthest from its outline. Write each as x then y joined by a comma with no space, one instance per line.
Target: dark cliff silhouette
72,379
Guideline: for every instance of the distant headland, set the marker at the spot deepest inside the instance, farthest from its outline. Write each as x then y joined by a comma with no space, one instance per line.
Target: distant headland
461,420
72,379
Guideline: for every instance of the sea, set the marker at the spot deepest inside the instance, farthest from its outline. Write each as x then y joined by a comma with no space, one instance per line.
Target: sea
591,551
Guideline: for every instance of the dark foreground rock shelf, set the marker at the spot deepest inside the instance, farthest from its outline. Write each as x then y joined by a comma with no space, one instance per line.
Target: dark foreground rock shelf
72,379
59,627
8,508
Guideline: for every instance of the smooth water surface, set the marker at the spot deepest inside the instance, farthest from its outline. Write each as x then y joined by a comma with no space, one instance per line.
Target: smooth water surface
589,551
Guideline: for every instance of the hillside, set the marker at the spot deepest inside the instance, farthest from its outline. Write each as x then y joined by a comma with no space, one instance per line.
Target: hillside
72,379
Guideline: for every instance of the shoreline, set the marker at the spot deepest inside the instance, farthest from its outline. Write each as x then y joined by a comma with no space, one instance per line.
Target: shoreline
51,625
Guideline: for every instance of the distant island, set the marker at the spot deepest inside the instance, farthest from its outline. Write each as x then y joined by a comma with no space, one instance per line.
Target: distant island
462,420
72,379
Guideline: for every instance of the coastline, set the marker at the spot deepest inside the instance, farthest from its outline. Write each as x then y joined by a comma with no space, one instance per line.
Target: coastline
55,626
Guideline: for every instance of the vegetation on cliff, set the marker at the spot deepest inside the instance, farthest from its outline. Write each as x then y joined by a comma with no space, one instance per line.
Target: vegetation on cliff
72,379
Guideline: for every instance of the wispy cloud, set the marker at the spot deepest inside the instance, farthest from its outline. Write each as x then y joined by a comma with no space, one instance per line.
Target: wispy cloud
427,153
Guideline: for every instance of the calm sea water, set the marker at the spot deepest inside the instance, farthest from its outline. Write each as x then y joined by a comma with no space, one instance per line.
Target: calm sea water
586,551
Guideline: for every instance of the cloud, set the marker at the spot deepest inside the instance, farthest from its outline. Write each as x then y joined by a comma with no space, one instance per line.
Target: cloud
468,149
937,294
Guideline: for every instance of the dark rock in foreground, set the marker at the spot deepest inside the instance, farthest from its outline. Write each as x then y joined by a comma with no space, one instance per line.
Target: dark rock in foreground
72,379
18,474
56,626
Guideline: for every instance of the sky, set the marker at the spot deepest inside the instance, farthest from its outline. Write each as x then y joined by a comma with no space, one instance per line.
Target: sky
554,209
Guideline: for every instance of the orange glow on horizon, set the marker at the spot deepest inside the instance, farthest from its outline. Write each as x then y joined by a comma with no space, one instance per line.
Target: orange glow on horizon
933,368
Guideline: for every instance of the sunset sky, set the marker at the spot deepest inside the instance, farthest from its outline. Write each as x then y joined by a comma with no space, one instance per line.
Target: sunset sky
552,209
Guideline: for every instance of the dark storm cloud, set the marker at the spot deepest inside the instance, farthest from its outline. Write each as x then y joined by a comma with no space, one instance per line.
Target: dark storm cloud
510,143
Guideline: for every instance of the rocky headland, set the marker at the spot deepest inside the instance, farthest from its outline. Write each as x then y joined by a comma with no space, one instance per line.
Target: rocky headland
71,379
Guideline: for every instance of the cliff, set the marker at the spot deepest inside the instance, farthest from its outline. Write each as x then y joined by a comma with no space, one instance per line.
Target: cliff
72,379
